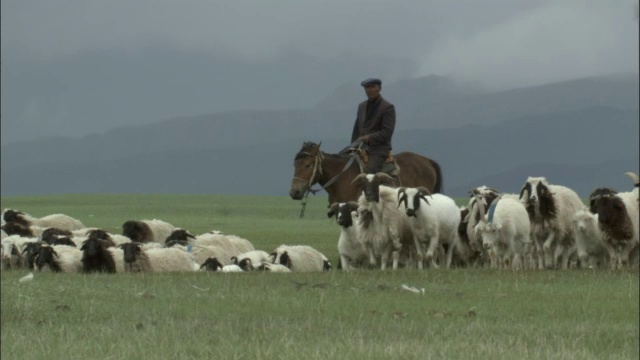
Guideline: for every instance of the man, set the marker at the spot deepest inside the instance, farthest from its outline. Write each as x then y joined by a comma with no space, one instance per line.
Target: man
374,125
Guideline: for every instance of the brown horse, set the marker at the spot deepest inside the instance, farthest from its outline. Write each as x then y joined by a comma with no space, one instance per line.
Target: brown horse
314,166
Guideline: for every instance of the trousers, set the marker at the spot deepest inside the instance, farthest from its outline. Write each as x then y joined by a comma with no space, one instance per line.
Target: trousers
375,163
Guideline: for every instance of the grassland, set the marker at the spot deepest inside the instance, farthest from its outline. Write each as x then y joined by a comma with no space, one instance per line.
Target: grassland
463,314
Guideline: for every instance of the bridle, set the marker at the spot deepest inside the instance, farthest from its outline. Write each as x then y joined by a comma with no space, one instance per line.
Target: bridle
317,169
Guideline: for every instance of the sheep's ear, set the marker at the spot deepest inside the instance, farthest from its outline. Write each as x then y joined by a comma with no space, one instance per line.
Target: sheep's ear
353,206
234,260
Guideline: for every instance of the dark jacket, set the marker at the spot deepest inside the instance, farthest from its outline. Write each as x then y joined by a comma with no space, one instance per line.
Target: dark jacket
378,125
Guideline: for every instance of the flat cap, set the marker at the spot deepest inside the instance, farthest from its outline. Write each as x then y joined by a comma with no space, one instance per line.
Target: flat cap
371,81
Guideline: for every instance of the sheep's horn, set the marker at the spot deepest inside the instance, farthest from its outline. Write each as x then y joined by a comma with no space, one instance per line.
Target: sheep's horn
424,191
353,204
384,176
466,218
401,191
358,178
634,177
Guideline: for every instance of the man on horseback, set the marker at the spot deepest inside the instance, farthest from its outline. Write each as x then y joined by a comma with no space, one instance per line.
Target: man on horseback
375,122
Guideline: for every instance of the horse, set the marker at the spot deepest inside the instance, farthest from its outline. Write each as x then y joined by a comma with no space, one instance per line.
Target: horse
312,166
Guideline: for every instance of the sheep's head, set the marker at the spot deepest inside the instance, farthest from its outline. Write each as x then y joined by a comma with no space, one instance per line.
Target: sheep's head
136,231
30,252
63,241
285,259
98,234
536,195
50,234
93,247
131,251
13,228
410,198
180,237
10,215
326,265
584,220
343,212
245,264
371,184
46,256
211,264
596,194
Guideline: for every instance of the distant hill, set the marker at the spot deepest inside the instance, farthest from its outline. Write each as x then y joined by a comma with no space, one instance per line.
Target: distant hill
189,157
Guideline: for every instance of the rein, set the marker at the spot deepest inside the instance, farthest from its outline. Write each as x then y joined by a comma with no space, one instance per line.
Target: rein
318,168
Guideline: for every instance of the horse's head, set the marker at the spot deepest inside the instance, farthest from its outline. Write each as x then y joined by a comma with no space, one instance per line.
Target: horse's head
306,166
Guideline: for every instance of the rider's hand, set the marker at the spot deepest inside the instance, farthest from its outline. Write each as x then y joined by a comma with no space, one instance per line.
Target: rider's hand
365,139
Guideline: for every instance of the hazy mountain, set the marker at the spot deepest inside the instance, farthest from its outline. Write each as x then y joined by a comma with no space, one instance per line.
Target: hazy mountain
96,91
469,156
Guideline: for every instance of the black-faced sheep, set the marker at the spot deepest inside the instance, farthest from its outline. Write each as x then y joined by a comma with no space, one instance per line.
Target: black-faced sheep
104,235
100,256
60,221
618,221
12,248
60,258
137,259
300,258
385,230
352,250
147,230
13,228
551,209
434,222
213,264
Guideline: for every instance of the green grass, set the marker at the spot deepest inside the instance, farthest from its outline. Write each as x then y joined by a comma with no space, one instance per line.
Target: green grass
464,313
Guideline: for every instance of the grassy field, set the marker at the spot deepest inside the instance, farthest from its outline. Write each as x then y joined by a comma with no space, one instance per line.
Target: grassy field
463,314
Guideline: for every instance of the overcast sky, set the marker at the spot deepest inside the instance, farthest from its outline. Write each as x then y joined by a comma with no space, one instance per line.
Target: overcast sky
501,42
58,56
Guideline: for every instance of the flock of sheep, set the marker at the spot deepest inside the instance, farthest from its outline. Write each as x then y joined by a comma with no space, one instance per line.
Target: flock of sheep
60,243
544,226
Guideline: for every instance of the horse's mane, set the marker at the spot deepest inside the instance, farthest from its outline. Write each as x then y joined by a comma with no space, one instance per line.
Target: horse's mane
308,146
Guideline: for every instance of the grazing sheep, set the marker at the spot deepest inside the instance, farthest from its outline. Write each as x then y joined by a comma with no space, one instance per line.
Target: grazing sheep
63,241
618,221
385,230
246,260
551,209
59,221
434,222
300,258
138,259
505,233
30,252
59,258
147,230
589,240
100,256
352,250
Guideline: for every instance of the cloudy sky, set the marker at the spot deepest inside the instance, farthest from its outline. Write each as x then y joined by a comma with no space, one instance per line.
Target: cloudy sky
310,47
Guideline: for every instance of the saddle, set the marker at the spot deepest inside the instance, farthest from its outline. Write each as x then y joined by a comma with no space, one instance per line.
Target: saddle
390,166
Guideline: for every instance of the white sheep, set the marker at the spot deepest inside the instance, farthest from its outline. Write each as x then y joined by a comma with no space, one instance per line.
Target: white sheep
385,230
58,258
551,209
60,221
589,239
234,245
12,248
505,232
300,258
147,230
351,248
156,260
202,252
434,222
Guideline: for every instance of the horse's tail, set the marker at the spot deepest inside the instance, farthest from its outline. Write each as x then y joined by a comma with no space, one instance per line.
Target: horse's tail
438,187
